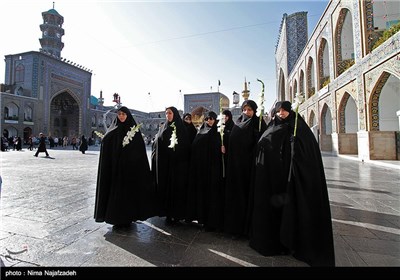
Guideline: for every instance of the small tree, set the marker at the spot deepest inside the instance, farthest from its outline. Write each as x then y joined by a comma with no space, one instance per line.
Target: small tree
386,35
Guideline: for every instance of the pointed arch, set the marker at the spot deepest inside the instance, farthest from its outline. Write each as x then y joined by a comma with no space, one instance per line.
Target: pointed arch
311,119
347,113
323,64
301,82
385,95
344,42
66,111
310,78
326,120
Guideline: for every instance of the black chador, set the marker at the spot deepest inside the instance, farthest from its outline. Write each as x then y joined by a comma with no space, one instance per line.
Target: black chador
124,185
291,215
205,189
241,160
170,168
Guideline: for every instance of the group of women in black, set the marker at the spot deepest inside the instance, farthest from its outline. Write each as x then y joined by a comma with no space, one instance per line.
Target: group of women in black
250,181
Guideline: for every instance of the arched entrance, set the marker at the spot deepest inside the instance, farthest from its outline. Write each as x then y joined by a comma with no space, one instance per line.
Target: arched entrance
64,116
27,134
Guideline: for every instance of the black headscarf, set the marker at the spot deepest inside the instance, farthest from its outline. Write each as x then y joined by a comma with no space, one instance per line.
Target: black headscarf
190,128
244,120
286,105
123,127
204,127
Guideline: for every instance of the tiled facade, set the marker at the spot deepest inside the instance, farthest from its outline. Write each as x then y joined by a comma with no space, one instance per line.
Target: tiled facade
351,90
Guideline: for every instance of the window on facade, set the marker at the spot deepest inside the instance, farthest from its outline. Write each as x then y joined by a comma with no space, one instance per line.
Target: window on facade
6,113
13,112
19,73
28,114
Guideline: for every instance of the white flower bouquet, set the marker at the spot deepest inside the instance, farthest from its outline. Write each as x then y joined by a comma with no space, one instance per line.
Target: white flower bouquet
130,134
174,138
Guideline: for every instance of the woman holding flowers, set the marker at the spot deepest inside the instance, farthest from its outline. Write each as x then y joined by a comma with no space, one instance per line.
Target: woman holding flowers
124,185
169,164
205,189
291,211
241,160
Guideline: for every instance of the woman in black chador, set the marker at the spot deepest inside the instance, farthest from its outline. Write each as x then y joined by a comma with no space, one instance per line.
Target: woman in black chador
291,206
241,160
124,184
205,189
190,128
229,123
169,165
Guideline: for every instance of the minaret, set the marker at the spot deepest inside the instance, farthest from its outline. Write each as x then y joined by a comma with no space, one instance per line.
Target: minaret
52,32
245,92
101,99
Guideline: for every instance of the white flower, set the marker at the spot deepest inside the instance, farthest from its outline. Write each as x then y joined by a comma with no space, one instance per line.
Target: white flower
221,124
298,100
99,134
174,138
130,134
260,105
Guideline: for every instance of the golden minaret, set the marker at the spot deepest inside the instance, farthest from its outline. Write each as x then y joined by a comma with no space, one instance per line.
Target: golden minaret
245,92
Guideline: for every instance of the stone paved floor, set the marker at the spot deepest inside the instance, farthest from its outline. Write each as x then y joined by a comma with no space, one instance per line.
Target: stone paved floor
47,220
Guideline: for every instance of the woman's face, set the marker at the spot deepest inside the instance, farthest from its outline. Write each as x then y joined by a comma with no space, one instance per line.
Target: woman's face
122,116
282,113
226,118
169,115
248,111
210,121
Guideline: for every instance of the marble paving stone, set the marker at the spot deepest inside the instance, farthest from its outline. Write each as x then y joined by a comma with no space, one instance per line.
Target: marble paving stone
374,246
50,209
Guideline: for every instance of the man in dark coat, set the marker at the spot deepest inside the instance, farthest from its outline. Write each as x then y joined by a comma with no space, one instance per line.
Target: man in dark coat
124,186
241,159
42,145
83,146
205,189
169,165
291,214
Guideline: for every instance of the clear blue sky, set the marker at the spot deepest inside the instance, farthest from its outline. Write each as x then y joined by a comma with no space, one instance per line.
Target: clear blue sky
161,47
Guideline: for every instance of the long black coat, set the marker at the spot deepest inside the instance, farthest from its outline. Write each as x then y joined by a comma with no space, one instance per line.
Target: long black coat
205,189
170,169
241,159
124,185
295,216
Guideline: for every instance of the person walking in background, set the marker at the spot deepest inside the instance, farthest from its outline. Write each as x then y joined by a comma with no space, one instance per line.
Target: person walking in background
291,211
124,190
65,142
42,146
169,164
83,145
241,160
73,143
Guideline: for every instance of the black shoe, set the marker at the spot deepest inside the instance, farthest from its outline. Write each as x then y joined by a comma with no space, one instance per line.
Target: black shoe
35,155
